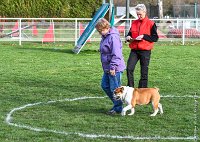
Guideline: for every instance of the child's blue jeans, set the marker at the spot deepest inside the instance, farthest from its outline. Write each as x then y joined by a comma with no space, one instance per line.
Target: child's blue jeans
109,83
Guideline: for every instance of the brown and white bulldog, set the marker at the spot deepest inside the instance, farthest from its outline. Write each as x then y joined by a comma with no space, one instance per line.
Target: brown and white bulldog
138,96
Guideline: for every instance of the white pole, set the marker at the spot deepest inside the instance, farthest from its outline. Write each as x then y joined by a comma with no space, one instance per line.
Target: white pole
177,23
76,25
20,31
160,6
183,33
127,24
54,37
196,23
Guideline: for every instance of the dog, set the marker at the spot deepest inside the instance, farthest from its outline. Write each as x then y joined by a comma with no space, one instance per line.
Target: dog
138,96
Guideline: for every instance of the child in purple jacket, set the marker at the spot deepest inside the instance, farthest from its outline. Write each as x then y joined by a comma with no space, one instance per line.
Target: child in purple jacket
112,61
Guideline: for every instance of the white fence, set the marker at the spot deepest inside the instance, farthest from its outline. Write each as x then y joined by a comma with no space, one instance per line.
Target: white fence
69,29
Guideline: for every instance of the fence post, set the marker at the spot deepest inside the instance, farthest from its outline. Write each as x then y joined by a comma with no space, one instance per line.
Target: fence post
183,36
196,24
177,23
20,31
76,25
127,17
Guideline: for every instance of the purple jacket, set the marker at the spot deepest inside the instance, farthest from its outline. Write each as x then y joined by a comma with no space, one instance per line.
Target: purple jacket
111,51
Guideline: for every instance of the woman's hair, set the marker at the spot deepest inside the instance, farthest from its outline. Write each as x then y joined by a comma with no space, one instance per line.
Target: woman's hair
102,24
141,7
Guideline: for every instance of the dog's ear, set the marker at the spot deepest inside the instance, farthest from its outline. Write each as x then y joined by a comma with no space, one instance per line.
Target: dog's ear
122,88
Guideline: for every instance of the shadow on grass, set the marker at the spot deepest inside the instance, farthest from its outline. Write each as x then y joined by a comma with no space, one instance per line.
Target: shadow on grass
91,106
74,88
69,51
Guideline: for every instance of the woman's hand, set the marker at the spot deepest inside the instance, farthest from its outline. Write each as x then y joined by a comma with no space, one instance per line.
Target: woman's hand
112,72
128,38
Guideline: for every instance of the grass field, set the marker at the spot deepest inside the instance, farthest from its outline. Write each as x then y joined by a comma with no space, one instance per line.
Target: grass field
49,94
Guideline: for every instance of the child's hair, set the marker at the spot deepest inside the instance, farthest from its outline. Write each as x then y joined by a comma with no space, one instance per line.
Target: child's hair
102,24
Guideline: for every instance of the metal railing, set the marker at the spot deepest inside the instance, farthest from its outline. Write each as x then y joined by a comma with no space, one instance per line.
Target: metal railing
69,29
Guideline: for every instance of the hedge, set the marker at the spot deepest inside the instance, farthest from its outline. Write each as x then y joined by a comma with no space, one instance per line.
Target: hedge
49,8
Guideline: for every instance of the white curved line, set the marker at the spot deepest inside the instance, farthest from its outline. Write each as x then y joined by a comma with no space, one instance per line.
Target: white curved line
9,122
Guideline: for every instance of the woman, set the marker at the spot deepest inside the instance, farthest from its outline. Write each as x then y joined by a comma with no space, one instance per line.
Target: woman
142,34
112,61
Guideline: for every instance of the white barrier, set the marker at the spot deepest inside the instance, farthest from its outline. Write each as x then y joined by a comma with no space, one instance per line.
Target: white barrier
70,29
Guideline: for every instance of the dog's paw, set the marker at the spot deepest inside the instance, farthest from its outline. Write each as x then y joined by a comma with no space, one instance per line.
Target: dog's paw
130,113
123,113
153,115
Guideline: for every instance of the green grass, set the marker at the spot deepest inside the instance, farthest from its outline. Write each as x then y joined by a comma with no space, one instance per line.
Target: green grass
35,73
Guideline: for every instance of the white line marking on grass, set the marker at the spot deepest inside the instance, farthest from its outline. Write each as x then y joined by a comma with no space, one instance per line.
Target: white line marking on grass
195,116
188,96
9,122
